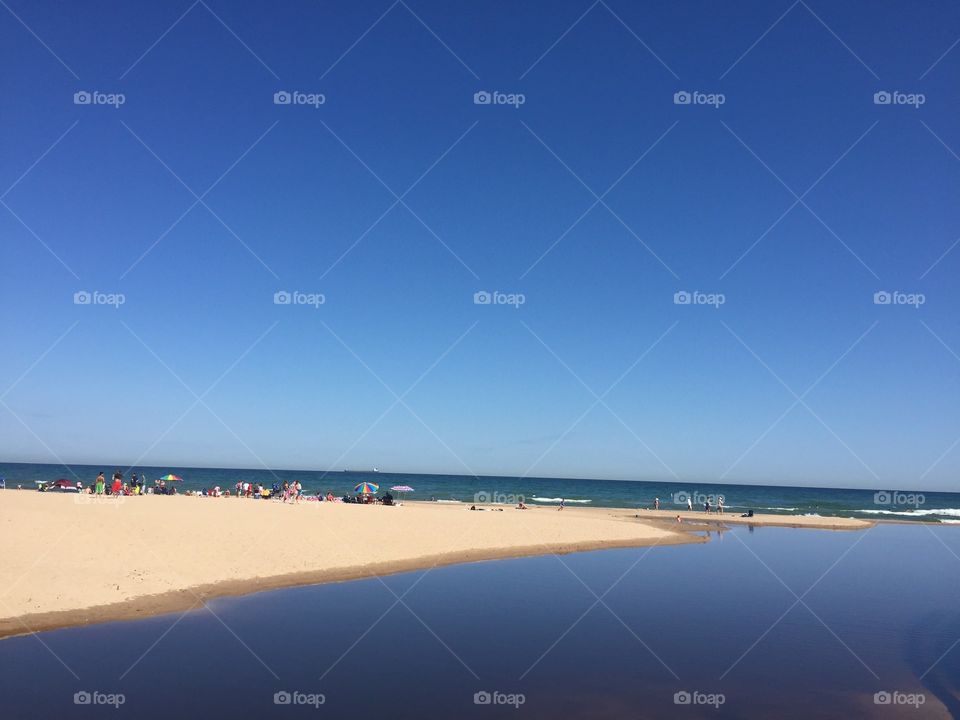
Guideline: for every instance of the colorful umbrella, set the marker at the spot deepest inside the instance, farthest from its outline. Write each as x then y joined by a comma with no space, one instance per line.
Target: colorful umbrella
367,488
172,478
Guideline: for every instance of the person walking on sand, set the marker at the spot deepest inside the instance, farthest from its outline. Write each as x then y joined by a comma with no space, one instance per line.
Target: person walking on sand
656,503
98,485
297,491
720,505
689,503
563,501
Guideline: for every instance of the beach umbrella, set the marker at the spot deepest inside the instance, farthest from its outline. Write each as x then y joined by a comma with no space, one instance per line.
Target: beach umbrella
402,489
367,488
172,478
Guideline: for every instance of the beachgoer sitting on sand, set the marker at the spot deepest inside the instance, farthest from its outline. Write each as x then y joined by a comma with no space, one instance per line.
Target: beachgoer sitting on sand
521,506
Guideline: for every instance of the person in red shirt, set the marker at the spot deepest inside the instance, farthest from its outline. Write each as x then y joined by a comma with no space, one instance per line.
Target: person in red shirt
117,484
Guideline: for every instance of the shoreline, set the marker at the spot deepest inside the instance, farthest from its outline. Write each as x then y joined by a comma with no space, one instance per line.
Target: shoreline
194,598
76,561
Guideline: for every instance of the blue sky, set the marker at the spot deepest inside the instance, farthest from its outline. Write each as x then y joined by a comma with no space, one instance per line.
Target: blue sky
598,199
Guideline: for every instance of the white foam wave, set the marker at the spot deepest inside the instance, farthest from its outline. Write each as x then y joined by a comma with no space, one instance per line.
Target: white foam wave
556,500
948,512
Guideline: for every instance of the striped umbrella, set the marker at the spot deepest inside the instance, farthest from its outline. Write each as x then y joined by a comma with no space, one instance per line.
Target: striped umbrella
367,488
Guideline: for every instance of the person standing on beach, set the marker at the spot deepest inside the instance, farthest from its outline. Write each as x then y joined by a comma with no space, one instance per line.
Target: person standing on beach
689,503
720,504
98,485
297,491
562,503
656,503
117,483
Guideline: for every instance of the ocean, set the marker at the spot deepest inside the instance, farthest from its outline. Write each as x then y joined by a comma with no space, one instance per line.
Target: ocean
878,503
756,623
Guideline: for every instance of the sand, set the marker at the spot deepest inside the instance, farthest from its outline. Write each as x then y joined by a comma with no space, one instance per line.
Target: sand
73,560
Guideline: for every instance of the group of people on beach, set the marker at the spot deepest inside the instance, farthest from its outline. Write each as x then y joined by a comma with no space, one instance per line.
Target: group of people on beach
707,506
118,486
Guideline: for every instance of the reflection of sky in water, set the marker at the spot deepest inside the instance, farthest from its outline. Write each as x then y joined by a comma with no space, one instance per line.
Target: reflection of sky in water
887,608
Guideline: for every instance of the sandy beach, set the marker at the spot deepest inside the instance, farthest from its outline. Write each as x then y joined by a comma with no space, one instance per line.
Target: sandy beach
74,560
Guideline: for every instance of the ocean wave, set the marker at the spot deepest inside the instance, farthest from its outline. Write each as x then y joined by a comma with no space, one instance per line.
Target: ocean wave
556,500
948,512
778,508
950,522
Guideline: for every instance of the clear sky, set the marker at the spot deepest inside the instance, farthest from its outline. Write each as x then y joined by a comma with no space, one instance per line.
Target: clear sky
782,189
